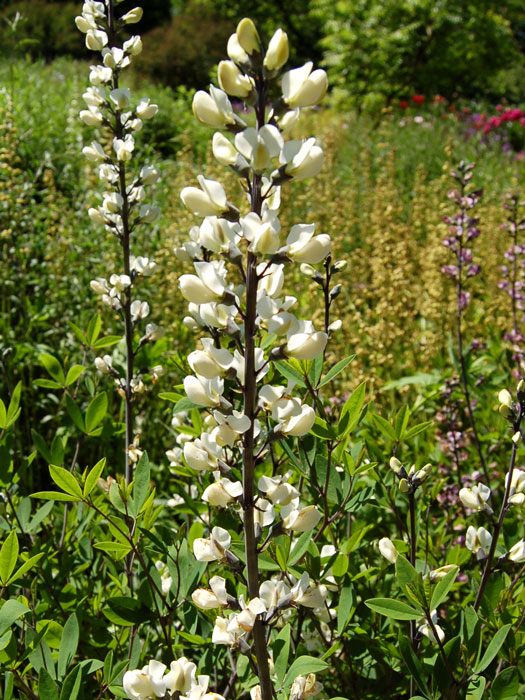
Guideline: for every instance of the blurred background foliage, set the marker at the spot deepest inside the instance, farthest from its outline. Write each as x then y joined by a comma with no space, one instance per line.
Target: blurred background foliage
374,51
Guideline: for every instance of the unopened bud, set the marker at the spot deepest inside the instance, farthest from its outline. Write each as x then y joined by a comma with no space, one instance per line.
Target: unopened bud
395,465
248,36
404,486
505,398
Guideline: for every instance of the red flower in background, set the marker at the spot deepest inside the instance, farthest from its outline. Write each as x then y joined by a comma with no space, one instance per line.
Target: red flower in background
418,99
438,98
403,104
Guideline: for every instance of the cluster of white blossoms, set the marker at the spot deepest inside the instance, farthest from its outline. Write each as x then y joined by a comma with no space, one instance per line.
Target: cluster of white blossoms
155,681
124,205
479,540
247,326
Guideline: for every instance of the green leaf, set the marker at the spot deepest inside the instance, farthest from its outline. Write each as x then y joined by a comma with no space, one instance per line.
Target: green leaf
405,572
8,556
72,684
41,446
314,375
393,608
9,684
79,333
93,329
26,566
476,688
74,373
13,410
413,664
124,611
344,608
184,404
68,645
336,369
416,429
47,384
402,418
384,426
442,588
3,415
340,565
170,396
106,341
10,612
75,413
53,367
302,667
352,410
65,480
281,652
47,688
141,481
322,430
299,548
93,477
96,411
54,496
120,549
493,648
57,451
290,372
506,685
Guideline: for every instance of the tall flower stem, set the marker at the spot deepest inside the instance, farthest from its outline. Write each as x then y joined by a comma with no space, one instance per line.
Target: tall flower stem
412,526
250,397
504,506
125,247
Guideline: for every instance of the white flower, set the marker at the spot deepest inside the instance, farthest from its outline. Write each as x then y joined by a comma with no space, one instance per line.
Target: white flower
96,39
94,152
277,52
133,16
211,361
181,676
305,343
425,628
165,577
213,109
273,592
99,75
202,453
248,36
302,88
303,159
214,547
302,520
277,489
233,81
259,146
145,110
262,237
139,309
120,98
478,541
133,46
303,688
214,598
304,247
308,594
388,550
91,116
476,497
517,552
208,286
222,492
124,147
104,364
210,200
149,175
517,487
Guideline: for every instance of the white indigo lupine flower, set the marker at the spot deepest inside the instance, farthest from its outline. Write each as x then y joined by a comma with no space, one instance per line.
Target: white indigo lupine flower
388,550
214,109
517,552
214,547
425,629
214,598
302,88
94,152
301,159
277,52
478,541
517,487
165,578
476,497
233,81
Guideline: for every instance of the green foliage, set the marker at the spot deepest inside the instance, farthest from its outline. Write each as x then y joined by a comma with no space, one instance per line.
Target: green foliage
392,49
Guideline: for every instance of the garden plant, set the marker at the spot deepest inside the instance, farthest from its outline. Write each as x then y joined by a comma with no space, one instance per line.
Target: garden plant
292,464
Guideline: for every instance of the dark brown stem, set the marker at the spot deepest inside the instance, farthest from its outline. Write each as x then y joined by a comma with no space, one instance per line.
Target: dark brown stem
412,526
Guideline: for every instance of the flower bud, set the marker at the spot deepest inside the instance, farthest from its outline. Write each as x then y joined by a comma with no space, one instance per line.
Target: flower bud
302,88
517,552
505,398
96,39
248,36
278,51
233,81
395,465
404,486
133,16
388,550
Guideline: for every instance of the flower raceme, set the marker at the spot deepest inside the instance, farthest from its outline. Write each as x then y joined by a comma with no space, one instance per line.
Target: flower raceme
236,301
